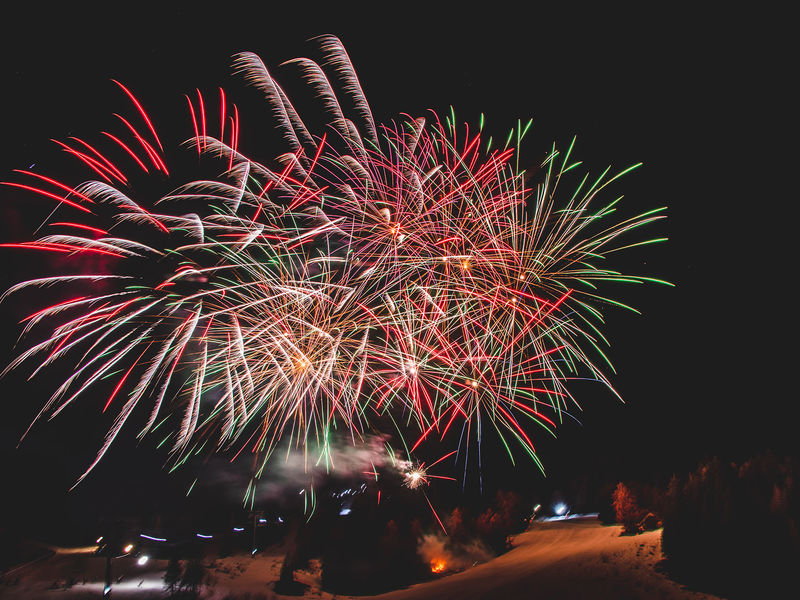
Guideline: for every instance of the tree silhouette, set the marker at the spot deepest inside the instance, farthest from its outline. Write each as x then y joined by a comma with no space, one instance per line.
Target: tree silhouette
172,575
193,576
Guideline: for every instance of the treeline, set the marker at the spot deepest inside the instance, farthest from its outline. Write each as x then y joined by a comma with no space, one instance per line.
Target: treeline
734,527
373,551
728,528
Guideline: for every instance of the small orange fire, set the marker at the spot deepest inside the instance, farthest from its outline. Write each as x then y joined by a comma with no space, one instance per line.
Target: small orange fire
438,565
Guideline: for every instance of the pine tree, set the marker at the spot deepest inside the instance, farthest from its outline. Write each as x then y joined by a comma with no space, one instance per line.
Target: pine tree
173,574
193,575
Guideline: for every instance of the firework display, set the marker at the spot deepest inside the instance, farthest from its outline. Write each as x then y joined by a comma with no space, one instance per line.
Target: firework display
407,279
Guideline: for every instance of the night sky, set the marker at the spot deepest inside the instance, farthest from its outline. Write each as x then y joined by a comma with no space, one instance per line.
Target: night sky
700,99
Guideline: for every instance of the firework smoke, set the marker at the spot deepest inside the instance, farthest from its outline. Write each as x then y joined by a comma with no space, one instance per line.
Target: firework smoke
444,555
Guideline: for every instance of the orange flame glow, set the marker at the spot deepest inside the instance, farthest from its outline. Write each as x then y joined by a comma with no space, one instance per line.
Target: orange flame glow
438,565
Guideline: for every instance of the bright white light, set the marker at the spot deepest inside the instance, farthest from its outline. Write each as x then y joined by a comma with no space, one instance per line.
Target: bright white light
150,537
344,511
238,529
205,537
142,560
415,478
128,548
560,509
98,540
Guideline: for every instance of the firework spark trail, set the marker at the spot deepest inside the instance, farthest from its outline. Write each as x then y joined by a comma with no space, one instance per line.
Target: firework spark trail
403,273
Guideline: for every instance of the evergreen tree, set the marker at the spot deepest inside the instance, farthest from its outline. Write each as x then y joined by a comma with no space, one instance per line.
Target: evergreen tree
172,575
193,575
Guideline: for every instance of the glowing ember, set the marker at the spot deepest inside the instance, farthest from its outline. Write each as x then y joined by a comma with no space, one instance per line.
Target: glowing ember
301,363
416,478
438,565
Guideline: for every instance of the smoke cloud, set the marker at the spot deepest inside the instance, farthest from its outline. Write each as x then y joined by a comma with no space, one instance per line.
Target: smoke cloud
456,557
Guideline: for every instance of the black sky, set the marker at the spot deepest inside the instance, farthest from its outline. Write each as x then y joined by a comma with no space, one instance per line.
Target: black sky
700,98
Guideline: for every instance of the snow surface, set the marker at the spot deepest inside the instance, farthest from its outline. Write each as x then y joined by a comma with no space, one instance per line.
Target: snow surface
577,558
